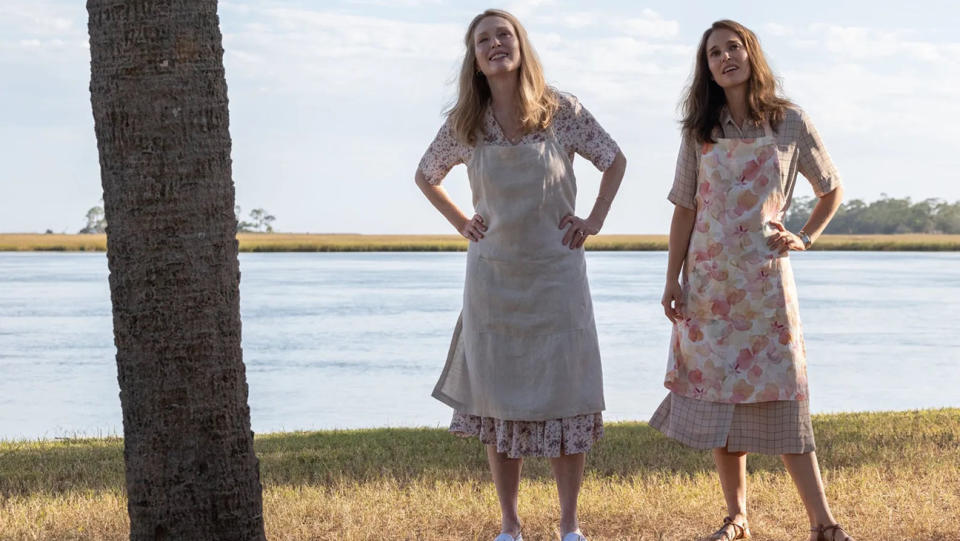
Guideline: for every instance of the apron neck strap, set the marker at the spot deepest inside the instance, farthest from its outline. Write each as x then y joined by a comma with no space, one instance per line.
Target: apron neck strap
551,135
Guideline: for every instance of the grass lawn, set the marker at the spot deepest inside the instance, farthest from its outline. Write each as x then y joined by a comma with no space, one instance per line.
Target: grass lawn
889,476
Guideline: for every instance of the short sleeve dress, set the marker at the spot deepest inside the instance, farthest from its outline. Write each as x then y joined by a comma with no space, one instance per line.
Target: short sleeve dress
757,424
577,132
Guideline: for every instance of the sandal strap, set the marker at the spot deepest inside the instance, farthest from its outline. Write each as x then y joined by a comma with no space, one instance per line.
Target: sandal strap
821,530
738,530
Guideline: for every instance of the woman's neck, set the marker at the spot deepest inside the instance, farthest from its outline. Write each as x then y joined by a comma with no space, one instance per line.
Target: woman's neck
503,95
737,103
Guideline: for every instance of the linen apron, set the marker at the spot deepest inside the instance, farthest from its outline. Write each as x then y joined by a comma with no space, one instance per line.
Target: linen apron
739,340
525,346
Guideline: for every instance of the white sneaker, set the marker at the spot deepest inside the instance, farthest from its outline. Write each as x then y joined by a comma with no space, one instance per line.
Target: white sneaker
573,536
508,537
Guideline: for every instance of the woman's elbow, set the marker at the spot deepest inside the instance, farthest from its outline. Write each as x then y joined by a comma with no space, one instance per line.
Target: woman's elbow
833,198
420,180
620,161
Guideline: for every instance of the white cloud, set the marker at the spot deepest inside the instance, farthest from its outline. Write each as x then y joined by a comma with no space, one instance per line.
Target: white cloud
650,25
42,32
861,43
304,51
525,8
39,18
777,30
572,20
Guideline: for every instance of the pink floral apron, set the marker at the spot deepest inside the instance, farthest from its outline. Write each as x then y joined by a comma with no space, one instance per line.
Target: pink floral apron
740,339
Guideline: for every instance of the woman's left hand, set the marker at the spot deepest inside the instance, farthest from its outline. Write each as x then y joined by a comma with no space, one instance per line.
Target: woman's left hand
784,241
579,230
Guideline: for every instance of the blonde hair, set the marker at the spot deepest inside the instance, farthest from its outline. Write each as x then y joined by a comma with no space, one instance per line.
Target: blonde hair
538,102
704,99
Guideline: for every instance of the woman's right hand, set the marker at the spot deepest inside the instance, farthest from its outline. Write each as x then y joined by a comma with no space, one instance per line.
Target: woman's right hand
672,301
473,228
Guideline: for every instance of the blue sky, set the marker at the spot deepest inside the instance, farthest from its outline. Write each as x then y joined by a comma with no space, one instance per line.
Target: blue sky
332,103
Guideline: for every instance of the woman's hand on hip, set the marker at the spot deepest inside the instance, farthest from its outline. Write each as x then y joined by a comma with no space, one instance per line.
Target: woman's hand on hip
579,230
473,228
672,301
784,241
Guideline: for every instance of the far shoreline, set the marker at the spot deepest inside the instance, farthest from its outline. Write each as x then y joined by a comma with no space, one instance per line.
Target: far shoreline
350,242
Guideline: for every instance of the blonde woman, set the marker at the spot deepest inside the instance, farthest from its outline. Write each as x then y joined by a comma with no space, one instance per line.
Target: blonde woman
523,372
737,369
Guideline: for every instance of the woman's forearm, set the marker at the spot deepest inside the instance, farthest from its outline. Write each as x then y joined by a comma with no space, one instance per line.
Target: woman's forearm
822,213
609,185
681,226
439,198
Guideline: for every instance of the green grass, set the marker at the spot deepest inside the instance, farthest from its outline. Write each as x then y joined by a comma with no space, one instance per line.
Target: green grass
890,476
296,242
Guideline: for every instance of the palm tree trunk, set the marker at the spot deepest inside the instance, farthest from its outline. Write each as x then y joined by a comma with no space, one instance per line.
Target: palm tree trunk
160,112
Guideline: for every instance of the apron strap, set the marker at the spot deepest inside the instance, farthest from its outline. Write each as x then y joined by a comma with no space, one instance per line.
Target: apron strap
551,135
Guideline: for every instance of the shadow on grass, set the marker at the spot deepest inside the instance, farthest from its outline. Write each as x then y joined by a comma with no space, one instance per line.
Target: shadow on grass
332,458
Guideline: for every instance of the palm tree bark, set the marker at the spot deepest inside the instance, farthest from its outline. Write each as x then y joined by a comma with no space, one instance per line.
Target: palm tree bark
160,112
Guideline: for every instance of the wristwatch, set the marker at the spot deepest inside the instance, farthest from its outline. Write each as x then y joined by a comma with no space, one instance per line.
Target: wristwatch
807,243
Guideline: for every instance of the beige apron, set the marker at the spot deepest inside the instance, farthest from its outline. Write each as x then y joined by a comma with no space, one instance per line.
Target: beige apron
740,339
525,347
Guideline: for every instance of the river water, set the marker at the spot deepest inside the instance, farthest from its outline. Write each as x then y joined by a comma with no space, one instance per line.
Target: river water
349,340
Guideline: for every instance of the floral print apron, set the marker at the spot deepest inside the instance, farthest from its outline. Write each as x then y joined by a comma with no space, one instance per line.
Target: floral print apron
739,339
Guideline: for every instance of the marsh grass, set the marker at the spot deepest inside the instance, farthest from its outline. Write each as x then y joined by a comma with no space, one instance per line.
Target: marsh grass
890,476
297,242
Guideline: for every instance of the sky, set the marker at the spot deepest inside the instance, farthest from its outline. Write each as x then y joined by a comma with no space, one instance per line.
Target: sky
332,103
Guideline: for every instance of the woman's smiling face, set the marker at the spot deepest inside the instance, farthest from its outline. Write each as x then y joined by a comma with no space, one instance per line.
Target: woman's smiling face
496,46
727,58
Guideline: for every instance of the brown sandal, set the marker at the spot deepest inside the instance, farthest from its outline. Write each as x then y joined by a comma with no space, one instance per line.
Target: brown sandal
822,530
739,531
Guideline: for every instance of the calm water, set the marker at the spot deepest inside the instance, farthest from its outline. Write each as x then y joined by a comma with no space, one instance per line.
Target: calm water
358,340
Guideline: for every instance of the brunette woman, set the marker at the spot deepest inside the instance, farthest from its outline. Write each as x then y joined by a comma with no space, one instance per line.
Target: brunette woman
737,369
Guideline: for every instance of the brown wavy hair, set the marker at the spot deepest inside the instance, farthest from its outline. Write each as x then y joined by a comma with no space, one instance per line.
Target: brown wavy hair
538,102
704,99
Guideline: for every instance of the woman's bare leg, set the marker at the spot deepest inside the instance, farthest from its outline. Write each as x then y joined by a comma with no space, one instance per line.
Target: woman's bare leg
732,470
506,477
805,471
568,471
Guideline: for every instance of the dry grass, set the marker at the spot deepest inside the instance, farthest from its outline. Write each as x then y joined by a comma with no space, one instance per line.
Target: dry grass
304,242
25,242
890,476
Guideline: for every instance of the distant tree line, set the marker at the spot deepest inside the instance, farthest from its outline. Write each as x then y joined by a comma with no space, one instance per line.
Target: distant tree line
96,221
261,221
887,215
